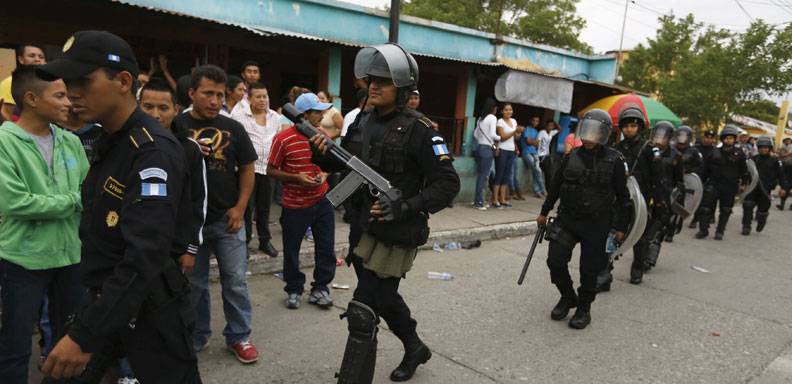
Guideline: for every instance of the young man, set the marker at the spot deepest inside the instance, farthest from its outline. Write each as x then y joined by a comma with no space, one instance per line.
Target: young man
251,72
304,206
528,144
414,102
692,161
771,174
159,101
42,168
261,124
724,175
229,157
705,148
138,304
26,54
590,206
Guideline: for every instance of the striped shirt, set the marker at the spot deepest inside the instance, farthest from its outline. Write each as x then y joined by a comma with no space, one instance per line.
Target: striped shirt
291,153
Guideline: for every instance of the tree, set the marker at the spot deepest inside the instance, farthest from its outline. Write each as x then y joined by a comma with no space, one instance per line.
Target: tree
703,73
551,22
762,109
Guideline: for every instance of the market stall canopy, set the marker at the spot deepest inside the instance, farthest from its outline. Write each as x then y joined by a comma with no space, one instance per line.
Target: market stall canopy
536,90
652,109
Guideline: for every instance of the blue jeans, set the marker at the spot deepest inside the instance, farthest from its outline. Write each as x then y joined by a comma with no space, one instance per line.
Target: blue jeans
484,168
514,183
503,167
22,293
532,163
231,253
321,219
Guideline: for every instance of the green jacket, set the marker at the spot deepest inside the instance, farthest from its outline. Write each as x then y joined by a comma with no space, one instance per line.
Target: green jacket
40,208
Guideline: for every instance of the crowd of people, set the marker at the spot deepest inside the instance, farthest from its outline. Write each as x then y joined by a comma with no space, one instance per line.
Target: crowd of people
119,186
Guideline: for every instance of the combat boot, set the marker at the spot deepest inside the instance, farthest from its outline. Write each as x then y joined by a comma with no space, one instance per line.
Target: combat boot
761,220
718,236
415,354
582,316
747,230
561,310
636,270
604,279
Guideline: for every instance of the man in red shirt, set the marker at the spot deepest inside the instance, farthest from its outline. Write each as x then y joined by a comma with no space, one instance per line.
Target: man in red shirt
304,206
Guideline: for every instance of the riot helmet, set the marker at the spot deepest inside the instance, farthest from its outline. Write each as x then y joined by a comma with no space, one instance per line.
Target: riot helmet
632,115
661,133
390,61
683,136
729,130
764,141
595,127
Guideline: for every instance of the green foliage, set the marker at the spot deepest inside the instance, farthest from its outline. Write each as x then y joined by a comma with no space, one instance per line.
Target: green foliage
703,73
551,22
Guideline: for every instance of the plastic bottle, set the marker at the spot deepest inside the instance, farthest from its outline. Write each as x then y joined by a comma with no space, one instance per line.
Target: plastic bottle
453,246
440,276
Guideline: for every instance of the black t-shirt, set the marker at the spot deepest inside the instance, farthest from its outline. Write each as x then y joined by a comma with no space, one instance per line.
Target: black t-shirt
231,147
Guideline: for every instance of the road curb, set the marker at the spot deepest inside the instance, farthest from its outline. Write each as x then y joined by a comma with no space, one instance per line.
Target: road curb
260,263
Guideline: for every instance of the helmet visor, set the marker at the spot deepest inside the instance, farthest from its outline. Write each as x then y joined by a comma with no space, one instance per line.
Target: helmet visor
682,137
660,136
593,131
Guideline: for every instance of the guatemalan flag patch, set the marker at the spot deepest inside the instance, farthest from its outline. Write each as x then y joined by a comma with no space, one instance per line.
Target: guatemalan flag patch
153,189
440,149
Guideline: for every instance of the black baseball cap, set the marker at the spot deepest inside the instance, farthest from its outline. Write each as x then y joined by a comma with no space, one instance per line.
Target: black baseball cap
710,133
87,51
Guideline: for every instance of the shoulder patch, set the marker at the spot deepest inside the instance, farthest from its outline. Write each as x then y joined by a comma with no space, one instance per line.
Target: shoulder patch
140,136
150,173
440,149
425,121
153,190
438,139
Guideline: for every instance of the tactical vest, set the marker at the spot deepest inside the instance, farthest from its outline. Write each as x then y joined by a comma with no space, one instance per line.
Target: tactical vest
691,160
725,166
588,192
768,168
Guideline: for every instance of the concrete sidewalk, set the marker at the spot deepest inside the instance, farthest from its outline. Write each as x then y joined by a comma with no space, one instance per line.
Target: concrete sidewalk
460,223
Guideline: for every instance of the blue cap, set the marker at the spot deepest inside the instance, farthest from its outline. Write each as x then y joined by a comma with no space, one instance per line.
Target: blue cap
309,101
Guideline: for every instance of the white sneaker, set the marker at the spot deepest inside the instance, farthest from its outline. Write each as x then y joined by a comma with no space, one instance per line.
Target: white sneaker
128,380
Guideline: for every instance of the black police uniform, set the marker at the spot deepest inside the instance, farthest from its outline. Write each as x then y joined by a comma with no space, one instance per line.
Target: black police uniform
722,173
666,174
591,185
139,305
771,175
403,148
706,152
192,209
692,161
787,163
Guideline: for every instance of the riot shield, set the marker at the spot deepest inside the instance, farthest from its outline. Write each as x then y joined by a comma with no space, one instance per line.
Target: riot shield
694,191
754,173
640,216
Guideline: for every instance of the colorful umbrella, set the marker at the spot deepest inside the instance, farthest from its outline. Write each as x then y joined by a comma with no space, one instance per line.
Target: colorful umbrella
652,109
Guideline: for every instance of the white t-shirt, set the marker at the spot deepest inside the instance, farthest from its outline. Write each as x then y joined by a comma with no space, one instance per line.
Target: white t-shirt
348,120
507,144
544,142
485,133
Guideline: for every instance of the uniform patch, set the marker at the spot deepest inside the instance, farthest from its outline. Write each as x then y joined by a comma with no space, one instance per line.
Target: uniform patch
113,57
154,173
444,157
438,139
153,189
113,187
111,219
440,149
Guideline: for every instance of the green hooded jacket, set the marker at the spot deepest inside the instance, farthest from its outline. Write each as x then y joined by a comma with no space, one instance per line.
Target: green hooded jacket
40,207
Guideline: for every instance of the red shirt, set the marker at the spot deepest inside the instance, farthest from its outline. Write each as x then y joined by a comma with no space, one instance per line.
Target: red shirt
291,152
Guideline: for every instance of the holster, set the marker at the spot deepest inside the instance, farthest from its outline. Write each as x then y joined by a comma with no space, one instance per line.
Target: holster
557,233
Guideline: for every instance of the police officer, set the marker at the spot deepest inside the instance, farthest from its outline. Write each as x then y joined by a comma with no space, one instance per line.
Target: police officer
692,161
723,173
705,148
665,165
631,123
398,143
771,174
138,304
591,183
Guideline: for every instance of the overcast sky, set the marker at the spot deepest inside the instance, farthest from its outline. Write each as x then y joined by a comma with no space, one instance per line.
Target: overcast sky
604,17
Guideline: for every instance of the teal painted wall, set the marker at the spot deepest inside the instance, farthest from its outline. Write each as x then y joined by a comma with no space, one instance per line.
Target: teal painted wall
334,75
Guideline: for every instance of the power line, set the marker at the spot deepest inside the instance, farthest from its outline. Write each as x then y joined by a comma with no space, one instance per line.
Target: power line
782,5
743,9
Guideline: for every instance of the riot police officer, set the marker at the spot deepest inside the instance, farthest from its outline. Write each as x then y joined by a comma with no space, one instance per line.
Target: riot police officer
591,183
138,304
705,148
400,144
692,161
771,174
665,165
723,173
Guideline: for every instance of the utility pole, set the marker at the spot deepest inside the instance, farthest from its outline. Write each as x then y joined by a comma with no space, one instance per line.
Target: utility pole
621,41
393,32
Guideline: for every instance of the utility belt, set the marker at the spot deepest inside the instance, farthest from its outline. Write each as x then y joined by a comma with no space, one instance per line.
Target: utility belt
165,289
411,232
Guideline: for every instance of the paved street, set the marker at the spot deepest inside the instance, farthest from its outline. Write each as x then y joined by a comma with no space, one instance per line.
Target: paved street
679,326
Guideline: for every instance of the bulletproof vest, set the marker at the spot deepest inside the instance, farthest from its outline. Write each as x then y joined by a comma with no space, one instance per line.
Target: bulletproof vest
586,189
630,149
664,169
768,168
691,159
725,164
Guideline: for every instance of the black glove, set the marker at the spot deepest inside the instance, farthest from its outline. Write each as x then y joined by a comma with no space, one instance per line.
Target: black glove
393,210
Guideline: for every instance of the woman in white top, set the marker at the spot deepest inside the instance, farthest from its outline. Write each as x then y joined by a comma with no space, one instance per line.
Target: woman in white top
332,121
486,137
507,129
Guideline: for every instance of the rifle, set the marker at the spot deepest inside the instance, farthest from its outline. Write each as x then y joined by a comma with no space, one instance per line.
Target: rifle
540,233
360,173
